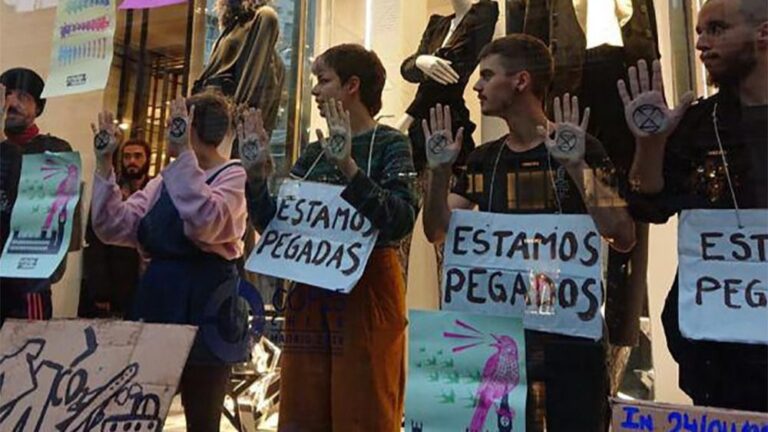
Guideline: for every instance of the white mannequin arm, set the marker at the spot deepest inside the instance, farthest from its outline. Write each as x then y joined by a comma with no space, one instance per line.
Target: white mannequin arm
404,123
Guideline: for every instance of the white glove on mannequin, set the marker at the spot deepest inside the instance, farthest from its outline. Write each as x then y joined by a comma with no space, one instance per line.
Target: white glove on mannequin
437,69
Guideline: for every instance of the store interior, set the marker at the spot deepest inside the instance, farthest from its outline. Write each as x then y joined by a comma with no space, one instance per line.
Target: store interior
160,52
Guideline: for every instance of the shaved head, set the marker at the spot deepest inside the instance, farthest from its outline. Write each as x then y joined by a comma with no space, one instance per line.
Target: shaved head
754,11
729,38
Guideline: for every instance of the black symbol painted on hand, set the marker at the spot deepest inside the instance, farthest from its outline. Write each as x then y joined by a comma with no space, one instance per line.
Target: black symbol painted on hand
178,127
251,151
566,141
102,140
437,143
337,143
648,118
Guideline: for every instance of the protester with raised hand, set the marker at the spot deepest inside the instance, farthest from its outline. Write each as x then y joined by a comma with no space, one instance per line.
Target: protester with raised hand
540,167
359,384
704,158
189,222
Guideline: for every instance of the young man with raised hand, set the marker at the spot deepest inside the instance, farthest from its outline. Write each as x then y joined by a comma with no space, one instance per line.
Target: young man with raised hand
539,167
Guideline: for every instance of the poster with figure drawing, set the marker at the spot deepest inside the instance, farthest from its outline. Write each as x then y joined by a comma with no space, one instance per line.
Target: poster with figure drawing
79,376
41,222
466,373
82,48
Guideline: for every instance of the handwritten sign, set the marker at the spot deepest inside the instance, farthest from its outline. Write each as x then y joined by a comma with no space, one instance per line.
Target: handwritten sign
656,417
723,275
315,238
77,375
41,221
466,373
544,268
81,53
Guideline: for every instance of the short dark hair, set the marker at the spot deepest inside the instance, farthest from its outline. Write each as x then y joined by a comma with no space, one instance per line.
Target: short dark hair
213,114
349,60
138,142
520,52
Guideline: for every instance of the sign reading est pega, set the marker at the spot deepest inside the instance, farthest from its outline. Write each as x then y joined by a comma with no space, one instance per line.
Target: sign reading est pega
723,275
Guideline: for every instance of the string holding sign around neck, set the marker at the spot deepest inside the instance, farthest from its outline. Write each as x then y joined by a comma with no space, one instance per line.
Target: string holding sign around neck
493,174
715,123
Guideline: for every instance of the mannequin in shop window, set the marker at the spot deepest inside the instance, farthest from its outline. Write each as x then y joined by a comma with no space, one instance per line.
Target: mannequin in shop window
442,65
244,64
593,42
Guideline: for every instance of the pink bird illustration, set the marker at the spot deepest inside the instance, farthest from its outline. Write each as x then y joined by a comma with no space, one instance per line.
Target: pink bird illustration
500,376
64,192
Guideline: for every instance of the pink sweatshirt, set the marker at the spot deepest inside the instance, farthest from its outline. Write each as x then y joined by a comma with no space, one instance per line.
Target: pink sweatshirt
214,215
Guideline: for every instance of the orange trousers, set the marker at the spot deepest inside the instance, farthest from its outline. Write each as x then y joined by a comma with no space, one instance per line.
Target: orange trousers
343,362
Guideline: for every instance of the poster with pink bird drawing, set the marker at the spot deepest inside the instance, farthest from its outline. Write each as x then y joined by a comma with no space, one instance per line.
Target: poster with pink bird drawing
41,221
466,373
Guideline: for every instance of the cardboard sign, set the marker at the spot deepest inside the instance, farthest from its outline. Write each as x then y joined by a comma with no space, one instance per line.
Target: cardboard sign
83,375
42,217
82,48
315,238
723,282
648,416
544,268
465,373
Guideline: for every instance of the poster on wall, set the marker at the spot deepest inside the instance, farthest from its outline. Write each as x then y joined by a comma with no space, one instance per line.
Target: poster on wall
22,6
42,217
465,373
79,375
82,48
546,269
723,280
315,238
148,4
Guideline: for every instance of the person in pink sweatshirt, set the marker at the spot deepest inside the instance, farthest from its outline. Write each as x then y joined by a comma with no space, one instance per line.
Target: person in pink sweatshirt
189,222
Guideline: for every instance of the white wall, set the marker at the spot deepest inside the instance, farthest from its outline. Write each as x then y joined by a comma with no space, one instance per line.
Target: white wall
662,249
25,40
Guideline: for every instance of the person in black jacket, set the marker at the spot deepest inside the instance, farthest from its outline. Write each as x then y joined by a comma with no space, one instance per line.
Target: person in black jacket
446,57
10,170
110,273
29,298
711,156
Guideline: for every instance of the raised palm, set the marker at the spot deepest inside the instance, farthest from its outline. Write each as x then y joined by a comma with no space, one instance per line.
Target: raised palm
338,146
105,135
566,140
441,146
179,126
646,109
253,140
